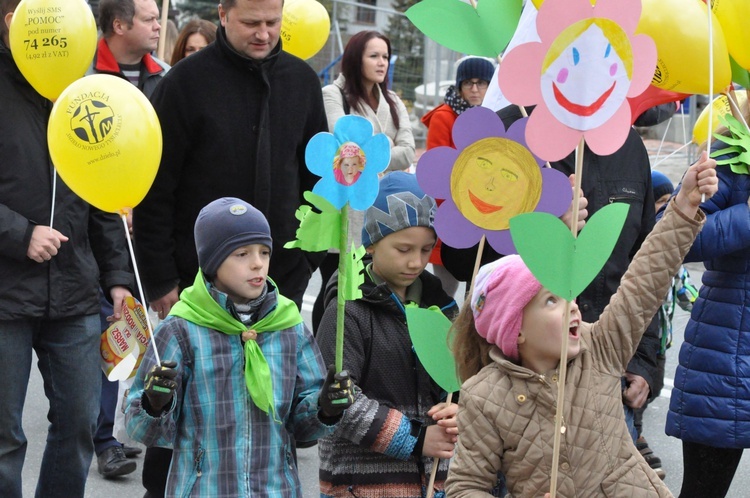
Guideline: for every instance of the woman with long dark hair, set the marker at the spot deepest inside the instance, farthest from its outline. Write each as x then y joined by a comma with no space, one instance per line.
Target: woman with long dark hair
362,90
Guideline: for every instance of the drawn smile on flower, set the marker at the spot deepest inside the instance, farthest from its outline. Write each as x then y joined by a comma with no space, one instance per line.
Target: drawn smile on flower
578,109
493,180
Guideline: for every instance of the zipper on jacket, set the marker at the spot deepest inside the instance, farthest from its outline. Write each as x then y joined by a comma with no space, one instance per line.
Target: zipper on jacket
628,198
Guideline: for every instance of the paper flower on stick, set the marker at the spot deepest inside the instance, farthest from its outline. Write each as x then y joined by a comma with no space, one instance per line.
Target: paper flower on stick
486,180
589,61
348,162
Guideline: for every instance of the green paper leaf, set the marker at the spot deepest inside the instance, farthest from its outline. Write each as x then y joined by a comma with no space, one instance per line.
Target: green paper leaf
429,329
318,231
566,265
483,31
353,277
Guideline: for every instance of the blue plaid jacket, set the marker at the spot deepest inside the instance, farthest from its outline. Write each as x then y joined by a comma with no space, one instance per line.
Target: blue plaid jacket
224,446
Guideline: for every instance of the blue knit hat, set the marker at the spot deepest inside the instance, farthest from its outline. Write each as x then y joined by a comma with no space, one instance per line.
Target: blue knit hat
400,204
225,225
660,184
474,67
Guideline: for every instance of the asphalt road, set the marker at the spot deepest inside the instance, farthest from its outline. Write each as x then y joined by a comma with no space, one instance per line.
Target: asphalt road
667,448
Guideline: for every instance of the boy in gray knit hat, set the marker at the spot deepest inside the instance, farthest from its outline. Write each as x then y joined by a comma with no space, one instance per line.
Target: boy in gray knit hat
244,377
388,437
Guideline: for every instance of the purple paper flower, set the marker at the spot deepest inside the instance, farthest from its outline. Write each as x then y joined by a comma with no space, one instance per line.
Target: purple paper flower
490,177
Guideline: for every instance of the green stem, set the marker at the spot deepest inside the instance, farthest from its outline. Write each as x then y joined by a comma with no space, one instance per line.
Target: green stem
340,301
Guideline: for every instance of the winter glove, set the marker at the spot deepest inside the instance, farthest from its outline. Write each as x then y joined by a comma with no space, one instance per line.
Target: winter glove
337,393
160,386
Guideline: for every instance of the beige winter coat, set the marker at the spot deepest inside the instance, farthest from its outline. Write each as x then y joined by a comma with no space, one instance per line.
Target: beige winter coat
506,412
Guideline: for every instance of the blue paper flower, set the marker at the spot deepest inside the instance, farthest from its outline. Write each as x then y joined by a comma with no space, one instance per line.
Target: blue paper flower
348,162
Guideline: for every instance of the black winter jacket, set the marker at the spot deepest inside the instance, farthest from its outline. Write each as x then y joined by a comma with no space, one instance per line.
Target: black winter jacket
624,176
220,139
97,252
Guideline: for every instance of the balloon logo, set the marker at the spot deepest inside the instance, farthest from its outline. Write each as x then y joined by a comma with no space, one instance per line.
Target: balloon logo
680,31
304,27
721,107
52,42
105,141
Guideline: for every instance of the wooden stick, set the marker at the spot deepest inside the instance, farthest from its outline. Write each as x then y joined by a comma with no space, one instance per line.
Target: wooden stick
436,462
559,428
163,30
340,301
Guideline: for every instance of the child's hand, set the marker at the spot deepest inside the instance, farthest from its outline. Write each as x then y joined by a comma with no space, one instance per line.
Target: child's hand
160,385
583,213
699,180
438,443
445,415
337,393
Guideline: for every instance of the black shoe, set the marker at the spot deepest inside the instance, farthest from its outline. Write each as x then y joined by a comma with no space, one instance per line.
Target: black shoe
131,451
651,459
112,463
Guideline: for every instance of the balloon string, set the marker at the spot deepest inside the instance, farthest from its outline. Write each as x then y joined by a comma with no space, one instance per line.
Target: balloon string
663,138
710,82
670,155
54,195
140,287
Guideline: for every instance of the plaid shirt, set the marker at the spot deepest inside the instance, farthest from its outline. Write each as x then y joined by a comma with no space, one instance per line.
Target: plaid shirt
224,446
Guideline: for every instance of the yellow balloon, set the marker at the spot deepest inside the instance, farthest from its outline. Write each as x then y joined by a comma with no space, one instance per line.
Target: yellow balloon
733,16
304,27
53,43
680,30
720,108
105,140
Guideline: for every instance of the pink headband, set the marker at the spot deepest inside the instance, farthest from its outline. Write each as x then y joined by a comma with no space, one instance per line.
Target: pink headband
349,150
502,290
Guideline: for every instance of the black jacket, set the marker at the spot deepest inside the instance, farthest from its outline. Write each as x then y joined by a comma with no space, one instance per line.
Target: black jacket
234,127
624,176
97,252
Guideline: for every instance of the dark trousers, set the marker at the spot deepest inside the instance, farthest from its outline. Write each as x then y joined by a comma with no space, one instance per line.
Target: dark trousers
708,471
103,437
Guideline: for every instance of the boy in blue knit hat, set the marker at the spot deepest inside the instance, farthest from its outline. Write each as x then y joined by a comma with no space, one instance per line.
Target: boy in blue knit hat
243,378
386,441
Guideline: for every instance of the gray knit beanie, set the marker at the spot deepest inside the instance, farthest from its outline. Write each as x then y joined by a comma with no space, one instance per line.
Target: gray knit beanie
400,204
224,225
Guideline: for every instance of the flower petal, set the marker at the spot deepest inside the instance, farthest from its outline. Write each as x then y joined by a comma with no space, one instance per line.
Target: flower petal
352,128
556,15
626,13
434,171
547,137
333,191
517,133
319,154
475,124
556,192
519,74
501,241
609,137
455,230
644,63
364,191
377,152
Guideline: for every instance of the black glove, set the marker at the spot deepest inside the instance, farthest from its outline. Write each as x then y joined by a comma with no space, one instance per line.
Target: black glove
337,393
160,386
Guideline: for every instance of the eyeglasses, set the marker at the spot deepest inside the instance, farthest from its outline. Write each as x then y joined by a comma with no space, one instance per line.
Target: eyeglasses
481,84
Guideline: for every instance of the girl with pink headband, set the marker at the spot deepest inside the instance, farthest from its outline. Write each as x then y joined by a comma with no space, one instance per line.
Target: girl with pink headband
348,164
507,346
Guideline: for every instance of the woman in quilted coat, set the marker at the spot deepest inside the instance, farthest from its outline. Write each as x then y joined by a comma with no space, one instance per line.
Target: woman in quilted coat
512,327
709,409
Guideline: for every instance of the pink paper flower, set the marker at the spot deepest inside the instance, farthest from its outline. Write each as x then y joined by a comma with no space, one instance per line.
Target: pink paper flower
589,61
486,180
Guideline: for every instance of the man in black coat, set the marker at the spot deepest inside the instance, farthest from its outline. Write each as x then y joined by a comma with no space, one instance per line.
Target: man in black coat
49,291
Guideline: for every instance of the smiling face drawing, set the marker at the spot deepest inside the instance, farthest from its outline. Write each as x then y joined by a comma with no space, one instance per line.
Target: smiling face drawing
493,180
586,73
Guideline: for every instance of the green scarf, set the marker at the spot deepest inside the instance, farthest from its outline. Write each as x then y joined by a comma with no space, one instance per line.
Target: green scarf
196,305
